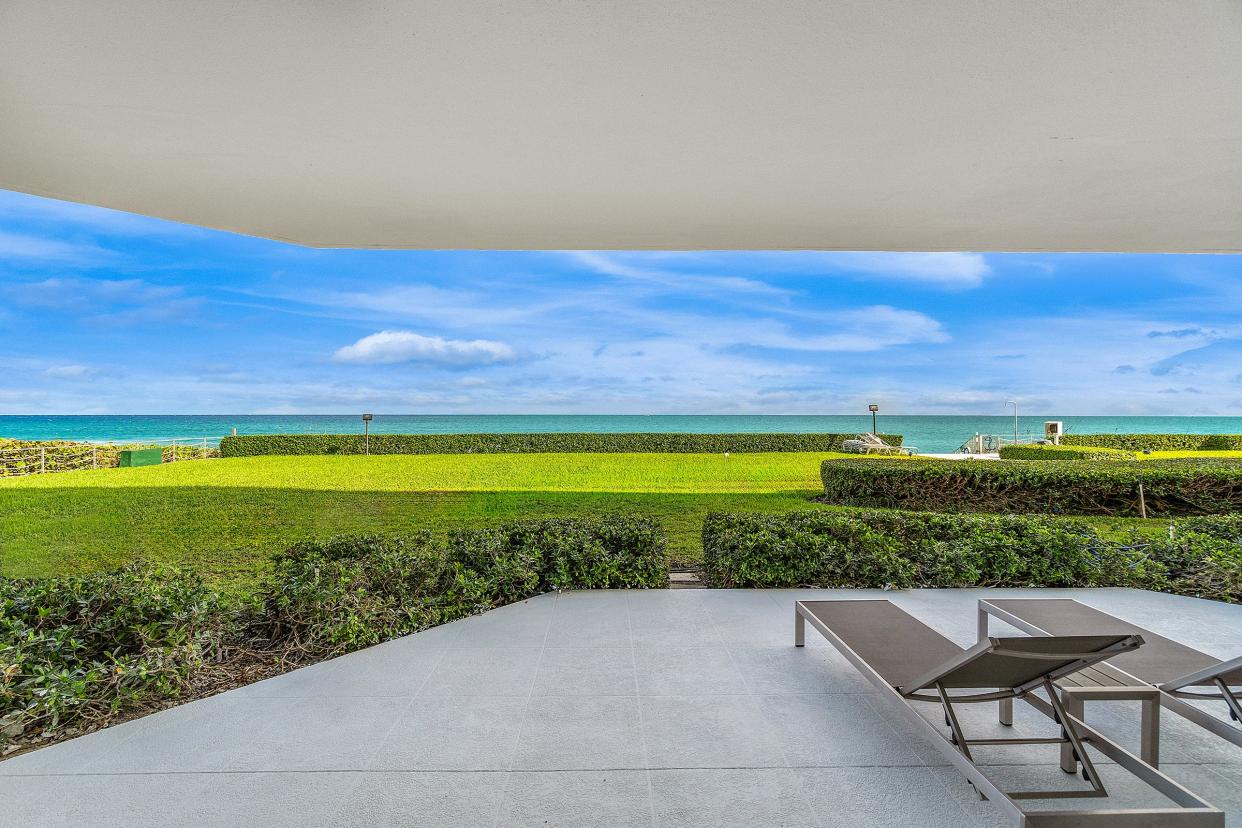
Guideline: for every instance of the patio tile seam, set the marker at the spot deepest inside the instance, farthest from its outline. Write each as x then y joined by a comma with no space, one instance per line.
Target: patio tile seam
506,771
807,804
642,725
530,695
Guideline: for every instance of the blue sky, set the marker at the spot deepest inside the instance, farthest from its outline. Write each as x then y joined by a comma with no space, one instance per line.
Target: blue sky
105,312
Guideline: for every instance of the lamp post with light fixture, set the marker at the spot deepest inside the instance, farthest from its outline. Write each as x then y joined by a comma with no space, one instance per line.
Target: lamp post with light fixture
873,408
366,432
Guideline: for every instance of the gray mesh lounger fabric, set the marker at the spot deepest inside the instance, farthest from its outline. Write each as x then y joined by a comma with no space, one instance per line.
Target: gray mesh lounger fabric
1159,660
897,645
912,656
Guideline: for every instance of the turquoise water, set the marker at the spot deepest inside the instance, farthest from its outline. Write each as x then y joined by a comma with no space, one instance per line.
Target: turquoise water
927,432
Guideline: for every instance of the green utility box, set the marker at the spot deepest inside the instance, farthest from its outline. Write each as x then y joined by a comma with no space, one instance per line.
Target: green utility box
142,457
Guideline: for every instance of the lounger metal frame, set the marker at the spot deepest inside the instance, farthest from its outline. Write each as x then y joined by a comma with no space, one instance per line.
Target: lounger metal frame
1172,696
1193,813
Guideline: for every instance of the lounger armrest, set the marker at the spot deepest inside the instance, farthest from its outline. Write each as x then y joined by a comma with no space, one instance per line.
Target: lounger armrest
1203,676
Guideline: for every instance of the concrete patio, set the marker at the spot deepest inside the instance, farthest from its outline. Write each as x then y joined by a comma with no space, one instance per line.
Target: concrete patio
668,708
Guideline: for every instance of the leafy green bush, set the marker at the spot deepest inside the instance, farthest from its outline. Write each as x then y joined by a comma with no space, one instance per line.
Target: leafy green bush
611,552
78,649
860,548
1038,452
904,549
1157,442
330,597
252,445
1170,487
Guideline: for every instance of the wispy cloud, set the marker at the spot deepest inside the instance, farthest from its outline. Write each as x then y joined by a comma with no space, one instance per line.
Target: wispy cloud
115,301
636,267
952,270
67,371
389,347
37,248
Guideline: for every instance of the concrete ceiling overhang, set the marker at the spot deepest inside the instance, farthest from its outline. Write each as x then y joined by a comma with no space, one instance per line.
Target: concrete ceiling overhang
663,124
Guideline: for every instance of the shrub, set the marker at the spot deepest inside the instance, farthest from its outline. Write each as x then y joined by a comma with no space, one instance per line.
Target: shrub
878,549
800,549
1038,452
79,649
251,445
1170,488
608,552
1156,442
330,597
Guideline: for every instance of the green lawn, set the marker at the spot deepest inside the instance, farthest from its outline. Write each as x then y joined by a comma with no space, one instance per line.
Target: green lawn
226,517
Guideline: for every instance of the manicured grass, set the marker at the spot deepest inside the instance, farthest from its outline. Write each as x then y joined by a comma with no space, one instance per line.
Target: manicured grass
778,471
226,517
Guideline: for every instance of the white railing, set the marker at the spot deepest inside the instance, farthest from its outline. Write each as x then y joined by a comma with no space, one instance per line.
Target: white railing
56,455
987,443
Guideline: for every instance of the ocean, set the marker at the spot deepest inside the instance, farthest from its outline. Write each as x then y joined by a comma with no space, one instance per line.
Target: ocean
930,433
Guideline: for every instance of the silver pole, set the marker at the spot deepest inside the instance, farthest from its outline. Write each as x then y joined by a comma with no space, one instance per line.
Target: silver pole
42,459
1015,418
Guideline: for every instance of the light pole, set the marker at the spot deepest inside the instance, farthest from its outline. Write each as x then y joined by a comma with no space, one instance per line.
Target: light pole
1015,418
873,408
366,432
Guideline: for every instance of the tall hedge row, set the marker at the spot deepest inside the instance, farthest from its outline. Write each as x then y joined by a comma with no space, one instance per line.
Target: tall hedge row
1157,442
1170,488
251,445
864,549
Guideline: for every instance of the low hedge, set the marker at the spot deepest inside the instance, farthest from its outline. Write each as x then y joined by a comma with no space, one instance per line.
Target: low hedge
1038,452
868,549
1157,442
260,444
1170,488
77,652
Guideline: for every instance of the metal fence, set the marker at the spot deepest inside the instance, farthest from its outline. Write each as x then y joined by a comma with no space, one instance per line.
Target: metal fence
46,456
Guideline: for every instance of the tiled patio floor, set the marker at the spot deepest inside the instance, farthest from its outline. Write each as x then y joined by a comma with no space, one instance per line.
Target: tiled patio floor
667,708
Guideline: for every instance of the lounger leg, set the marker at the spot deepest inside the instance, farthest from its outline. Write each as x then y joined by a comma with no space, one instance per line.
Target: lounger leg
1073,706
1149,746
799,629
1005,705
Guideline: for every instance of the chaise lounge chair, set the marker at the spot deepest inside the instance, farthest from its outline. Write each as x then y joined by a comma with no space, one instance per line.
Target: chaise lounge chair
1165,668
869,443
908,662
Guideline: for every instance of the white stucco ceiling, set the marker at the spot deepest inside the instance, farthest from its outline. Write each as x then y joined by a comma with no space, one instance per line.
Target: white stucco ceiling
675,124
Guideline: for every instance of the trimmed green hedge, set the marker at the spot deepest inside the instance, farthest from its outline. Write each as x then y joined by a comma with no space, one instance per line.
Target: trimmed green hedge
252,445
330,597
1170,488
1157,442
867,549
1038,452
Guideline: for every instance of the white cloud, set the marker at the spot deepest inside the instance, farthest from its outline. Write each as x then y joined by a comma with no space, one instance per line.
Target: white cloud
388,347
18,246
954,270
111,301
619,266
67,371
